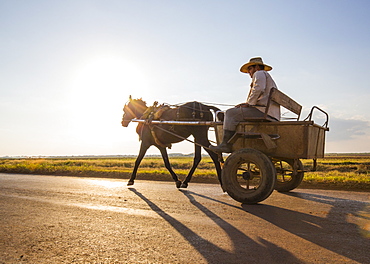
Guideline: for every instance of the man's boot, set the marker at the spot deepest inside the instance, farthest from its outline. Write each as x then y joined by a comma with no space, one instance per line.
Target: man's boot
224,146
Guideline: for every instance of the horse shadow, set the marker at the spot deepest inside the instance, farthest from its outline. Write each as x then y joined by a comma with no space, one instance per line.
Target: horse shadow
243,247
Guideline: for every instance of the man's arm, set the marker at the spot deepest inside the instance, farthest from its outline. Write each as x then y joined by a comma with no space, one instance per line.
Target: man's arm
242,105
258,87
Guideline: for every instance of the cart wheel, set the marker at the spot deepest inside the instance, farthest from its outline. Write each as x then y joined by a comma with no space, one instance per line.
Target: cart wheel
286,178
248,176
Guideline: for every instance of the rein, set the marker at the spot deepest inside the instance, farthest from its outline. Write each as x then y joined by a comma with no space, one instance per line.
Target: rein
183,138
206,103
135,113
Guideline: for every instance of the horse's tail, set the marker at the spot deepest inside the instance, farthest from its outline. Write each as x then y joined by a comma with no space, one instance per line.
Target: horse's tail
213,108
218,113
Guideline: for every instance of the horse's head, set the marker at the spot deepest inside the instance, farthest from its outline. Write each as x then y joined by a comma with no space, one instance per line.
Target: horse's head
133,109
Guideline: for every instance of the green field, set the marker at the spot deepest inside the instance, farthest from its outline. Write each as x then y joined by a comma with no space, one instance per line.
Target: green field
350,172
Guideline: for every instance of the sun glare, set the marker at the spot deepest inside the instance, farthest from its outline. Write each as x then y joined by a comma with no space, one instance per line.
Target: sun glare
100,87
106,78
108,184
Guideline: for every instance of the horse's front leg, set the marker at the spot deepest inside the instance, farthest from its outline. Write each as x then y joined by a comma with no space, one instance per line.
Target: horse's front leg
168,166
143,149
197,159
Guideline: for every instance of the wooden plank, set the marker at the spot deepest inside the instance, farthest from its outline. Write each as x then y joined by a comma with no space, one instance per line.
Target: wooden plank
268,141
285,101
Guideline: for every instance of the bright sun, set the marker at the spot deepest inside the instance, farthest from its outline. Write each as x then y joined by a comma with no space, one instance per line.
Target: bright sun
102,75
99,89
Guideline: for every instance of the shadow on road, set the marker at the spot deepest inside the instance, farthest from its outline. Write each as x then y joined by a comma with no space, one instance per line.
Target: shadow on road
245,249
333,232
343,230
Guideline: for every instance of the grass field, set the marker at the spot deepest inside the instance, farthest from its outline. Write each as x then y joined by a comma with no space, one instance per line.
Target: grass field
349,172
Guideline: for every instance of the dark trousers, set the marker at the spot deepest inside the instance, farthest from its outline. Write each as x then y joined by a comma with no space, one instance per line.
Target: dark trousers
237,114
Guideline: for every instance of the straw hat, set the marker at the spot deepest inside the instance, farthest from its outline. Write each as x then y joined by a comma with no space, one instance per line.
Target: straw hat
255,61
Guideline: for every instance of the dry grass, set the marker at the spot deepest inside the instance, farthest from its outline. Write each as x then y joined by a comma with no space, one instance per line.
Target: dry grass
343,172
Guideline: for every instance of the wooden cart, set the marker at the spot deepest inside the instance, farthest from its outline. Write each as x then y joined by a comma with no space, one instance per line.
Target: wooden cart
266,155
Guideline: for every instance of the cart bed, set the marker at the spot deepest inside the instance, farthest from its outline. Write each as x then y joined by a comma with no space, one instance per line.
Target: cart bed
288,139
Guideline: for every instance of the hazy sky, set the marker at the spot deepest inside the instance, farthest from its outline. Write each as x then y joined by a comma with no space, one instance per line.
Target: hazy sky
68,67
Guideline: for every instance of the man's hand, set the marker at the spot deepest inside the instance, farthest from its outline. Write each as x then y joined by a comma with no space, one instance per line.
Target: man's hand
242,105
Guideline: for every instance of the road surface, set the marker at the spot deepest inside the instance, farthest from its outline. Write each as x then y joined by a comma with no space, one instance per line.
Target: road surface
50,219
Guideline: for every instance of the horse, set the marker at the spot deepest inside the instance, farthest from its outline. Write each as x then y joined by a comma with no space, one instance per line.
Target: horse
163,135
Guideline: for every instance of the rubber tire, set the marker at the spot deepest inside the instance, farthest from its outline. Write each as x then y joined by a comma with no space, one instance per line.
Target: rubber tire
267,171
295,180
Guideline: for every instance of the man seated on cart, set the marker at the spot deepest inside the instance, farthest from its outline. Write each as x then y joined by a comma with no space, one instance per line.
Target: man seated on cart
255,105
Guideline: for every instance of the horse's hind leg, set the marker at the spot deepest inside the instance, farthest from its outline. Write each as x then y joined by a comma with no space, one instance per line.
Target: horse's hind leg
143,149
197,159
168,166
216,161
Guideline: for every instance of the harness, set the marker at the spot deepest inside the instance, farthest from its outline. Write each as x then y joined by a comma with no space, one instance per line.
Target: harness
193,114
155,112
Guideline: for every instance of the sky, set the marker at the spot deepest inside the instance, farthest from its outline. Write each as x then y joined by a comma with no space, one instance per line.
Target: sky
68,67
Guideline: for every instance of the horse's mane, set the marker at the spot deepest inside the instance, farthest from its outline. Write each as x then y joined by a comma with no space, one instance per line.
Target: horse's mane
139,101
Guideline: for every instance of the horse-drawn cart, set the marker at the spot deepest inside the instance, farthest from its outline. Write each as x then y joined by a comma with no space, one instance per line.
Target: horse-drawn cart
266,155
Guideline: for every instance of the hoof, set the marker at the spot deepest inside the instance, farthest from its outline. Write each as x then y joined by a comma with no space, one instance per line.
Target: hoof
130,183
184,185
178,184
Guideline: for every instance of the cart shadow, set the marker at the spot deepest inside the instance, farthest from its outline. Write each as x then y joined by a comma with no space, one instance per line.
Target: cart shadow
243,247
332,232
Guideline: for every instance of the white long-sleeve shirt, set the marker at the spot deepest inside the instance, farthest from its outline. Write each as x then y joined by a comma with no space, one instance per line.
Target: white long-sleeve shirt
261,85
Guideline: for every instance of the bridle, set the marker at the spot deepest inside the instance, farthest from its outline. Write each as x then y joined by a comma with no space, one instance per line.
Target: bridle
127,111
134,113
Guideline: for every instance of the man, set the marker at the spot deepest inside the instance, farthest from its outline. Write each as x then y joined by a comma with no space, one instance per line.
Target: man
255,105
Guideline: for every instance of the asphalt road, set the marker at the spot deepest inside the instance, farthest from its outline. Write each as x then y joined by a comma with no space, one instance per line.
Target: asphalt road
50,219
